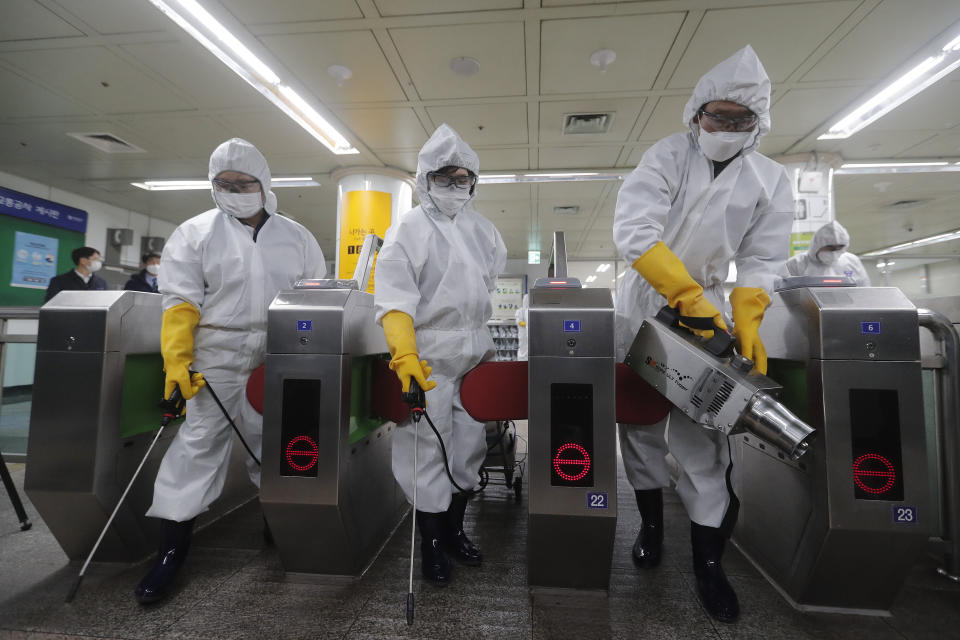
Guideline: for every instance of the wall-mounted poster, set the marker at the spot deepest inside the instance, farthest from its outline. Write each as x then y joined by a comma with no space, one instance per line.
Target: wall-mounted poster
34,260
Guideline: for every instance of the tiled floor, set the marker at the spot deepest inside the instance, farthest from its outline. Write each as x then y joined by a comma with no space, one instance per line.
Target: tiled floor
234,587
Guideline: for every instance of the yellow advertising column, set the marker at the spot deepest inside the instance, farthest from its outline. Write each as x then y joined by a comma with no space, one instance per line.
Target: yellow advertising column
368,201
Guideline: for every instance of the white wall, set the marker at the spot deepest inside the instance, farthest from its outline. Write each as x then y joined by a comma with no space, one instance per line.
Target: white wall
520,267
934,279
100,217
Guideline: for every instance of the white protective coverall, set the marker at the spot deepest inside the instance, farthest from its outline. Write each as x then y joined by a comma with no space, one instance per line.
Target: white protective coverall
230,273
440,269
742,214
523,315
828,263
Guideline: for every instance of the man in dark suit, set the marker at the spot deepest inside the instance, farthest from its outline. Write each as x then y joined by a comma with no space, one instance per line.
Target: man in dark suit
81,278
146,279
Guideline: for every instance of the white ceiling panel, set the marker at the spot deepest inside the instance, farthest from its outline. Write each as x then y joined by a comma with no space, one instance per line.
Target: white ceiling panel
946,145
503,159
189,136
884,40
799,111
570,190
406,160
504,192
870,143
385,128
434,7
636,155
80,72
273,133
118,16
771,145
21,98
667,118
498,47
30,20
625,113
208,82
767,29
487,124
925,110
308,56
275,11
578,157
641,44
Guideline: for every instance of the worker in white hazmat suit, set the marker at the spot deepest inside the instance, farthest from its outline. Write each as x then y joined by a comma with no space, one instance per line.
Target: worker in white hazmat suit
828,256
696,201
219,272
433,280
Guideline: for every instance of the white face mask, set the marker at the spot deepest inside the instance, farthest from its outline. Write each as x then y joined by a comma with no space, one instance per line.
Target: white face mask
239,205
153,269
722,145
828,257
94,266
450,201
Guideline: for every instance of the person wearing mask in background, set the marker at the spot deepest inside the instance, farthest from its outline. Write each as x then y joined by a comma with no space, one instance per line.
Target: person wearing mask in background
828,256
696,201
219,272
433,280
83,277
146,279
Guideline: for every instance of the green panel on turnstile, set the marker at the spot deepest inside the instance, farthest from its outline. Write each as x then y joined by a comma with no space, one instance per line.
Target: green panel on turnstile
362,423
141,393
792,375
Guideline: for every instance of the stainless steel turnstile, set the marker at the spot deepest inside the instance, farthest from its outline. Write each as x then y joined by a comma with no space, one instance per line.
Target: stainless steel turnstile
327,487
99,377
572,434
841,528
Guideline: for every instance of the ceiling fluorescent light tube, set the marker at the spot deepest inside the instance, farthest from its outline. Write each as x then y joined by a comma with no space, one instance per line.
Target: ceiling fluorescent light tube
866,165
922,242
257,74
896,93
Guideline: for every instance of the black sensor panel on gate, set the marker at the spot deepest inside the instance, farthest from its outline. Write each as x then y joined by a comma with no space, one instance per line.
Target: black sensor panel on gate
875,433
300,428
571,435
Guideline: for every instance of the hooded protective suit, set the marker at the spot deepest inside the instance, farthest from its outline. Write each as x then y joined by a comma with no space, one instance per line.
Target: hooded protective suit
743,214
817,262
439,266
229,272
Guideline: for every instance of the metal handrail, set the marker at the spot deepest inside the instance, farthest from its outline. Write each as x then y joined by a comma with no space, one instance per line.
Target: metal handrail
19,313
7,314
942,330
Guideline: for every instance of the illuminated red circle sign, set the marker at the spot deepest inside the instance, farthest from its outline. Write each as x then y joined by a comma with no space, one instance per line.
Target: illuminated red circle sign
873,473
306,455
576,466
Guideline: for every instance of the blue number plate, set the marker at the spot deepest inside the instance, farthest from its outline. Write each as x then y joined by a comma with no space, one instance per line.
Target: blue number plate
597,500
903,514
571,326
870,327
304,325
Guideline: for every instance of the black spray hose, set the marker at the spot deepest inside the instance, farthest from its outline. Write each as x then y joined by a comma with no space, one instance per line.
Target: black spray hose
230,420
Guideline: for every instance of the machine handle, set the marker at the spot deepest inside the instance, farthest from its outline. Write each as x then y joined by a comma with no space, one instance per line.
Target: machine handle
415,397
173,406
720,345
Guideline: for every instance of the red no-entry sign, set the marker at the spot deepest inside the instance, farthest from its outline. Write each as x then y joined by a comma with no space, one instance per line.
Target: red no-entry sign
571,462
874,474
302,453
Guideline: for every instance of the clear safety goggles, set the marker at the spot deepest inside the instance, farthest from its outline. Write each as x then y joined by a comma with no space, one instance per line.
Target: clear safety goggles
725,123
238,186
442,180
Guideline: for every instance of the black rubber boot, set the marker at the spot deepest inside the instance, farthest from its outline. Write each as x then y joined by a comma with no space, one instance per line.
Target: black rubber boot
649,545
457,542
173,551
715,591
434,563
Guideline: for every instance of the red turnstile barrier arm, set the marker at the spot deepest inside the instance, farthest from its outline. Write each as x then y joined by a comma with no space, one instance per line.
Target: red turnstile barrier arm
494,391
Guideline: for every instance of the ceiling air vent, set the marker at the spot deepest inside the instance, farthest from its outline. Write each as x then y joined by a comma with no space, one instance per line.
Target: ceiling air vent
576,123
569,210
107,142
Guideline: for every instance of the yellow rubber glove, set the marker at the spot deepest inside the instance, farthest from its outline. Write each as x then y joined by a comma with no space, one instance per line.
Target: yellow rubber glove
748,304
176,346
667,274
522,323
402,342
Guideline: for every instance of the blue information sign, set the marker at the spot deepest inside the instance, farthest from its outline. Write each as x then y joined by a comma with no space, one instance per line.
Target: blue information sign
20,205
34,260
870,327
